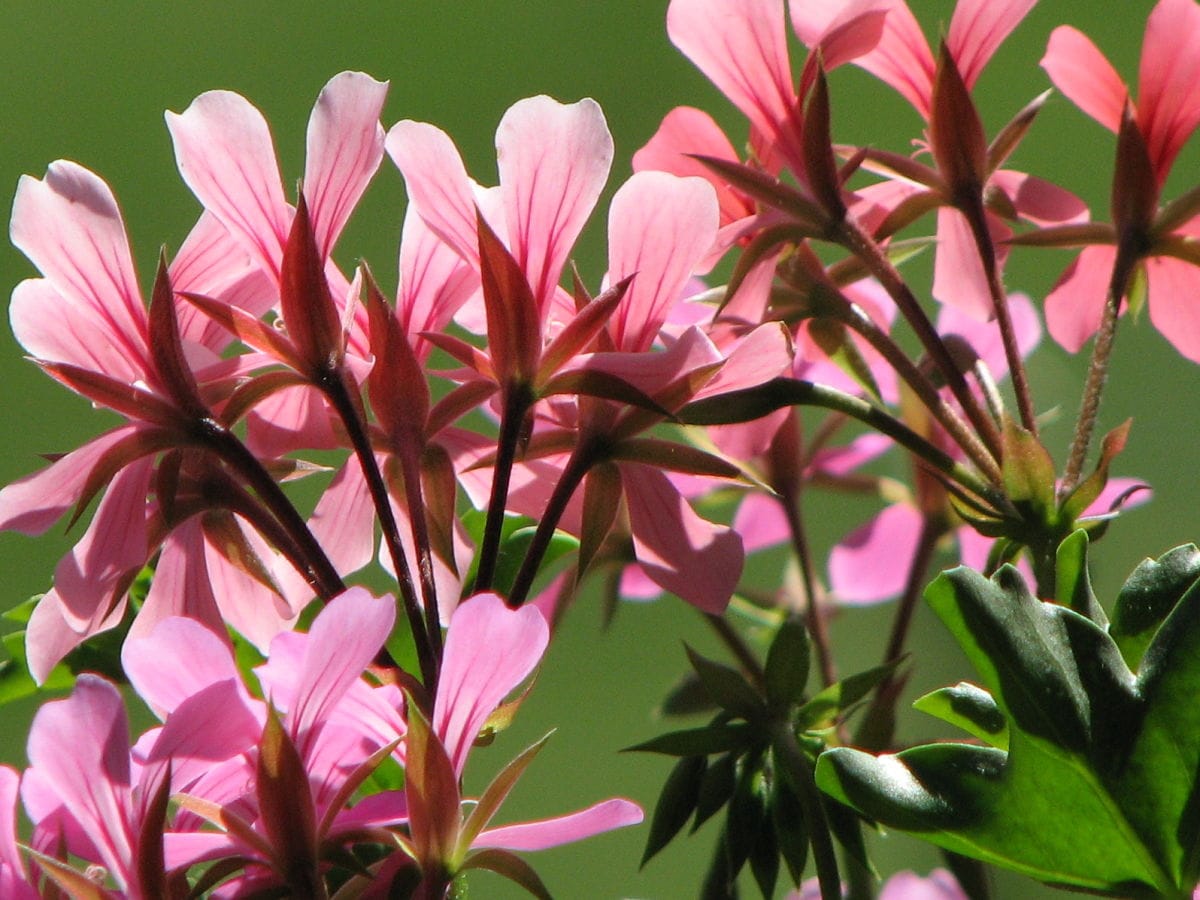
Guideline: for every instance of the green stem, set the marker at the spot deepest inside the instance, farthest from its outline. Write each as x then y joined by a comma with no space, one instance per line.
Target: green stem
799,771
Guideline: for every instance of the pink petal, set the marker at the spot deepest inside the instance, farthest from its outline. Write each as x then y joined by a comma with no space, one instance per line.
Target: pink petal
226,156
840,461
761,522
1037,200
958,276
70,228
695,559
545,833
9,855
1173,289
686,130
940,885
180,586
343,640
871,563
741,45
434,280
659,227
247,605
35,502
345,146
652,372
1168,92
152,663
344,521
49,637
437,183
1114,490
1075,305
978,28
553,161
763,354
80,745
984,337
1081,72
490,649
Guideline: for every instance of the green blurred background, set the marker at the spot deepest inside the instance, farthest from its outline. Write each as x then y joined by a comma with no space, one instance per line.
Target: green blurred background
89,82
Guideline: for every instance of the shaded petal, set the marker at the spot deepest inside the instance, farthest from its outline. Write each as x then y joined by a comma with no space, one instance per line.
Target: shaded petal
984,337
978,27
958,276
490,649
152,663
226,156
49,637
1169,80
180,586
659,227
741,45
1174,287
553,161
1083,74
545,833
1075,305
870,564
697,560
344,148
437,183
761,522
763,354
80,745
1037,200
344,520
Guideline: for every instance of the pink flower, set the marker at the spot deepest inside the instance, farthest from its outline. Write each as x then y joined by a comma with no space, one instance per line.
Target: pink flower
938,885
1151,134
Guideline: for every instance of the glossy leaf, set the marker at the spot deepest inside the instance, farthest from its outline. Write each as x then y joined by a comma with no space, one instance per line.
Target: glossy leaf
970,708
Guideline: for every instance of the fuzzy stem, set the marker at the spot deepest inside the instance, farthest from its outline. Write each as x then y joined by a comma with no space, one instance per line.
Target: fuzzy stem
871,254
1093,391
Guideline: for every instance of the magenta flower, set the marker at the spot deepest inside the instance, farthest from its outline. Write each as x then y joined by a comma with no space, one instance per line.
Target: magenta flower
1151,133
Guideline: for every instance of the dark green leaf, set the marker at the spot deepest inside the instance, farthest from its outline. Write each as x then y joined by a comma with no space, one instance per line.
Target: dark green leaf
824,708
786,671
727,687
1149,594
969,707
1072,585
675,804
791,830
720,737
687,697
720,778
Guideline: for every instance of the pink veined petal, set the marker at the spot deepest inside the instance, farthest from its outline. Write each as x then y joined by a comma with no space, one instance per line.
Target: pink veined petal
250,607
545,833
697,560
1173,287
490,649
182,849
659,227
741,46
343,640
870,564
81,746
152,663
344,148
434,281
978,27
553,161
1081,72
1169,80
344,521
1075,305
112,549
437,184
958,276
686,130
1037,200
181,586
652,372
35,502
9,855
226,156
288,420
69,226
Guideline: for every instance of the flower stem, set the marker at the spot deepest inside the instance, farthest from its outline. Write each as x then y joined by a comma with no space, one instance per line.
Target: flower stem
737,646
815,622
798,770
1093,391
517,402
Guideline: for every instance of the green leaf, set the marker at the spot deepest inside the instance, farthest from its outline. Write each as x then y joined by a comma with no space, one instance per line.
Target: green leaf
720,778
791,830
675,804
969,707
510,866
825,707
719,737
786,671
727,687
15,680
1072,586
1147,597
1098,788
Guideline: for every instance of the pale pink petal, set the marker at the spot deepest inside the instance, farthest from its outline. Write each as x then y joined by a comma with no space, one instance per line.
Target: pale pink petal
253,609
490,649
746,440
1037,200
434,281
1075,305
152,663
49,637
1169,80
686,130
345,146
659,227
553,161
80,745
1174,286
9,855
344,638
437,184
289,420
226,156
958,276
978,27
1082,73
761,522
1114,490
763,354
344,521
695,559
940,885
652,372
70,227
540,835
180,586
871,563
850,32
840,461
741,45
35,502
